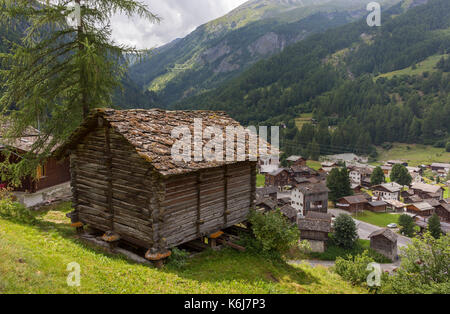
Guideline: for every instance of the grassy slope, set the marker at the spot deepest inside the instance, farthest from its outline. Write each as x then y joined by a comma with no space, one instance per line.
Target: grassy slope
33,259
303,119
428,65
377,219
415,155
260,180
333,252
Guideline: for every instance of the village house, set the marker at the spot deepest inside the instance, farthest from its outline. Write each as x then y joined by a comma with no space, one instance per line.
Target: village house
396,206
289,212
360,175
267,192
278,178
303,172
386,170
310,197
384,241
387,191
392,163
377,206
443,167
265,204
426,191
443,211
314,228
126,181
51,180
423,209
347,158
353,204
296,161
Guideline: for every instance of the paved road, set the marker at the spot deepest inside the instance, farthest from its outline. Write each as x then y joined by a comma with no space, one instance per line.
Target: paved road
365,229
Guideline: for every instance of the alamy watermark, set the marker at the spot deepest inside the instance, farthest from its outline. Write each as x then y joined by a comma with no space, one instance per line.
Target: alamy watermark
374,278
74,276
213,143
374,18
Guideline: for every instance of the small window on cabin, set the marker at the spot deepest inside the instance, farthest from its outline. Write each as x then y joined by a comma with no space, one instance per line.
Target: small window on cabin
41,172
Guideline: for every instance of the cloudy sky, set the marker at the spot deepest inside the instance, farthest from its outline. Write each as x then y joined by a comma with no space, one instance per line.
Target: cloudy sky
179,18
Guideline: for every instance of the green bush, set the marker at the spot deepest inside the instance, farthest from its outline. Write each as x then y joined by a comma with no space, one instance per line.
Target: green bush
424,268
407,225
10,209
345,231
178,258
356,270
274,234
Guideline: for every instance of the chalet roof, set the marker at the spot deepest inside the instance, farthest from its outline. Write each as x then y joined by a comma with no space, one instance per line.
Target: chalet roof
391,187
318,215
445,206
440,165
303,169
312,188
377,203
433,202
387,233
355,199
294,158
395,203
428,188
313,224
415,198
266,190
150,133
267,202
423,206
24,143
277,172
289,211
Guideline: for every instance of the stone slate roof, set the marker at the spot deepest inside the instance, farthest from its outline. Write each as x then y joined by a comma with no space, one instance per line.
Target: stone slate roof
267,190
314,224
289,211
377,203
312,188
266,201
355,199
24,143
428,188
294,158
149,132
387,233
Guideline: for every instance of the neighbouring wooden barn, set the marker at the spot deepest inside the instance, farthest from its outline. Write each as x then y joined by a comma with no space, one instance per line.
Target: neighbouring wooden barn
49,174
354,203
315,227
377,206
384,241
125,180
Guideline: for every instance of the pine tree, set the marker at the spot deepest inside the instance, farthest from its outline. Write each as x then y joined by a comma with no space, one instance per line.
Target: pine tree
345,183
377,176
334,185
434,226
59,71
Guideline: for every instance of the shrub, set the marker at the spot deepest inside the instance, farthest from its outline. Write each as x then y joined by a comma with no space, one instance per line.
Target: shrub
274,234
345,232
10,209
447,147
434,226
354,268
178,258
424,268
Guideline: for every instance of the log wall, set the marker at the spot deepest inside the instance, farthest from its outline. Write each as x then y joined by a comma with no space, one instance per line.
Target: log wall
114,189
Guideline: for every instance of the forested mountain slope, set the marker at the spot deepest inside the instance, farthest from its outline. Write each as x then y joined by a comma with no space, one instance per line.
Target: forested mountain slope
223,48
334,75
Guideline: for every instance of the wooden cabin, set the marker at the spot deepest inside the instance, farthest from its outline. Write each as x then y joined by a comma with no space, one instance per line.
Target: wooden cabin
125,180
384,241
50,174
354,203
314,228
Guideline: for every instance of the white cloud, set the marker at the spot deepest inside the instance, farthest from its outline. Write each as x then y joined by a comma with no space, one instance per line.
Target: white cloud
179,18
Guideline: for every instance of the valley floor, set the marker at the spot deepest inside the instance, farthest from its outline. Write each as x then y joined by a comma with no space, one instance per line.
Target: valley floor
34,259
